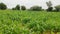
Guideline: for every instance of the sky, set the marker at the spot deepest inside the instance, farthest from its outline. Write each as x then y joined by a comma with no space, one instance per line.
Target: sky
29,3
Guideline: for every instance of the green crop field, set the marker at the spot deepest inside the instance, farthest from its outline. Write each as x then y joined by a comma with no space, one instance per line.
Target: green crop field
29,22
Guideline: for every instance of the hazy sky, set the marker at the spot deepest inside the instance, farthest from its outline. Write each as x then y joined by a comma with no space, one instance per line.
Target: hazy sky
29,3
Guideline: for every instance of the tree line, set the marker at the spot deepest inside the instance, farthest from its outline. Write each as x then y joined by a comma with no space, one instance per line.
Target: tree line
33,8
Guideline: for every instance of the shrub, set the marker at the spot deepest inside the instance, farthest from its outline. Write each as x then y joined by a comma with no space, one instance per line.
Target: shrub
3,6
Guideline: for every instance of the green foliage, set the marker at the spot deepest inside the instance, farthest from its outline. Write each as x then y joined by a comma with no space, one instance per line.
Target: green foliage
49,4
50,9
56,29
57,8
36,8
26,20
32,25
17,7
23,8
3,6
11,22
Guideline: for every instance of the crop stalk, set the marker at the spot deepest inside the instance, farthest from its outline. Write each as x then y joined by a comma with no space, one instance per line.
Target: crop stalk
55,32
47,32
41,32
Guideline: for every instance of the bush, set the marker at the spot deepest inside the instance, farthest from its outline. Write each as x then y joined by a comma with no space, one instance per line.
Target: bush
17,7
36,8
23,8
3,6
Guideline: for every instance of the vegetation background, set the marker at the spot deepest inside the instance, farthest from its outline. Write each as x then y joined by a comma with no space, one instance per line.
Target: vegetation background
35,20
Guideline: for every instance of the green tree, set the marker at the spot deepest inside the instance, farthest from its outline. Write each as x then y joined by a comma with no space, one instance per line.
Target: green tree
3,6
57,8
36,8
23,8
17,7
49,4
